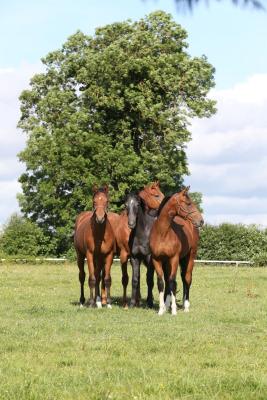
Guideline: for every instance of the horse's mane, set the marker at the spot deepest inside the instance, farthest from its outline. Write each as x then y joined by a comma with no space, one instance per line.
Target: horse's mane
164,201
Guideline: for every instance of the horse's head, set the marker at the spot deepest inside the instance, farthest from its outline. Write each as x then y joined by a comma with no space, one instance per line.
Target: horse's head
152,195
131,205
100,203
186,209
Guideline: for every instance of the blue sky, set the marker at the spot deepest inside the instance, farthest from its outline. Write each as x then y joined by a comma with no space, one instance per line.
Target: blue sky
227,154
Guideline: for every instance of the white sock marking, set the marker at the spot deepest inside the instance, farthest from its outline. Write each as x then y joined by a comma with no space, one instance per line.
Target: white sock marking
98,302
186,306
174,307
162,308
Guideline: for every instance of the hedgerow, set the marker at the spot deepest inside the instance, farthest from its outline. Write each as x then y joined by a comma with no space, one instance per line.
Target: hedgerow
233,242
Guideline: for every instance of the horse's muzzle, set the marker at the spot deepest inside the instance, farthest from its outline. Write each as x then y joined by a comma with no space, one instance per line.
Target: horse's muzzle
199,223
131,225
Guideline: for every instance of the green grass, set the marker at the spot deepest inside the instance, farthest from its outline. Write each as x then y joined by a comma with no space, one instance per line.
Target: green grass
52,349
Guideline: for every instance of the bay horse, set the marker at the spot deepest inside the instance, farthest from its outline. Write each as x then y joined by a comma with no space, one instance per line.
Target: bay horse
94,239
173,240
142,211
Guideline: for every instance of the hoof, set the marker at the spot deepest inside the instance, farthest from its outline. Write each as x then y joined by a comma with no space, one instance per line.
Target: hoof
81,305
109,306
174,311
150,303
125,307
162,311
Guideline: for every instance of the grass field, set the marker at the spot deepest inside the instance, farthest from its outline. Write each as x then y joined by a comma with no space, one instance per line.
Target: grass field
52,349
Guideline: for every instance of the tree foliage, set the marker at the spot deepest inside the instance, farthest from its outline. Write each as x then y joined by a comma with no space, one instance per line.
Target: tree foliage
22,237
110,108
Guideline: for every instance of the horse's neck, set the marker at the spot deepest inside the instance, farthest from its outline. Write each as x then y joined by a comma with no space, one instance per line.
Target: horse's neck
144,220
99,229
165,219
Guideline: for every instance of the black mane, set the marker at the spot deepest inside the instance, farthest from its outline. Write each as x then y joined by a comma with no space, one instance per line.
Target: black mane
164,201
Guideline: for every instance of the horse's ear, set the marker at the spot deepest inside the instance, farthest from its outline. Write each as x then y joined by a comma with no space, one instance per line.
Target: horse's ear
186,189
105,187
157,183
94,188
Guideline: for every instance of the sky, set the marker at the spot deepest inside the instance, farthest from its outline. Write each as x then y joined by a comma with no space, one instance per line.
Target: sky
227,155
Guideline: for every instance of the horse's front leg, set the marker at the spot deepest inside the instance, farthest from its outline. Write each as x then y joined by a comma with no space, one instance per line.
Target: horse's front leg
158,267
174,262
124,277
107,280
98,271
80,262
91,279
149,281
135,262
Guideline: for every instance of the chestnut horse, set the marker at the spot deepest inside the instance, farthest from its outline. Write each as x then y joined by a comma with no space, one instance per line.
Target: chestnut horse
94,239
173,240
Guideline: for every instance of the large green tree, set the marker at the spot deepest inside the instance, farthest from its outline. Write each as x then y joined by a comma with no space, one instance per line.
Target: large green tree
110,108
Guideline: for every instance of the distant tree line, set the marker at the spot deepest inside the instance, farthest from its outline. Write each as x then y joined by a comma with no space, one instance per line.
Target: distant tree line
21,237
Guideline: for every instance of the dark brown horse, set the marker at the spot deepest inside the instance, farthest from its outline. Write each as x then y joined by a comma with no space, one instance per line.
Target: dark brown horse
132,234
173,240
94,239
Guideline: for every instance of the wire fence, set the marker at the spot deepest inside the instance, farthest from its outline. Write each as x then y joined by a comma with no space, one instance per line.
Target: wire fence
64,260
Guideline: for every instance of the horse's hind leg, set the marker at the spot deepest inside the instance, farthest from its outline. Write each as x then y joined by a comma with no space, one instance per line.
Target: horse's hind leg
103,290
149,281
187,264
80,263
167,293
158,267
124,278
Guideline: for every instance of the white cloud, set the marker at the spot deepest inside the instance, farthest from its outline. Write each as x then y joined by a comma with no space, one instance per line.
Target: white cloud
8,192
228,154
12,140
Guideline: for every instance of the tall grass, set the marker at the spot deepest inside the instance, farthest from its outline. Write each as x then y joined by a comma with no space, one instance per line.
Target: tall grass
52,349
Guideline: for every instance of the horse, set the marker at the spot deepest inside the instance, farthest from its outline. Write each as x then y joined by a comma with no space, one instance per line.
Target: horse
94,239
173,240
122,230
142,211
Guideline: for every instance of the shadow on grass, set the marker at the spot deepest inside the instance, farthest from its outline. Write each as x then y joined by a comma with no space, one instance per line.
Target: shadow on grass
117,301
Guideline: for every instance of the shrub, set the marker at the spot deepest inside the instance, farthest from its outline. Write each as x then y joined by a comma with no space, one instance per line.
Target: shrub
22,237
